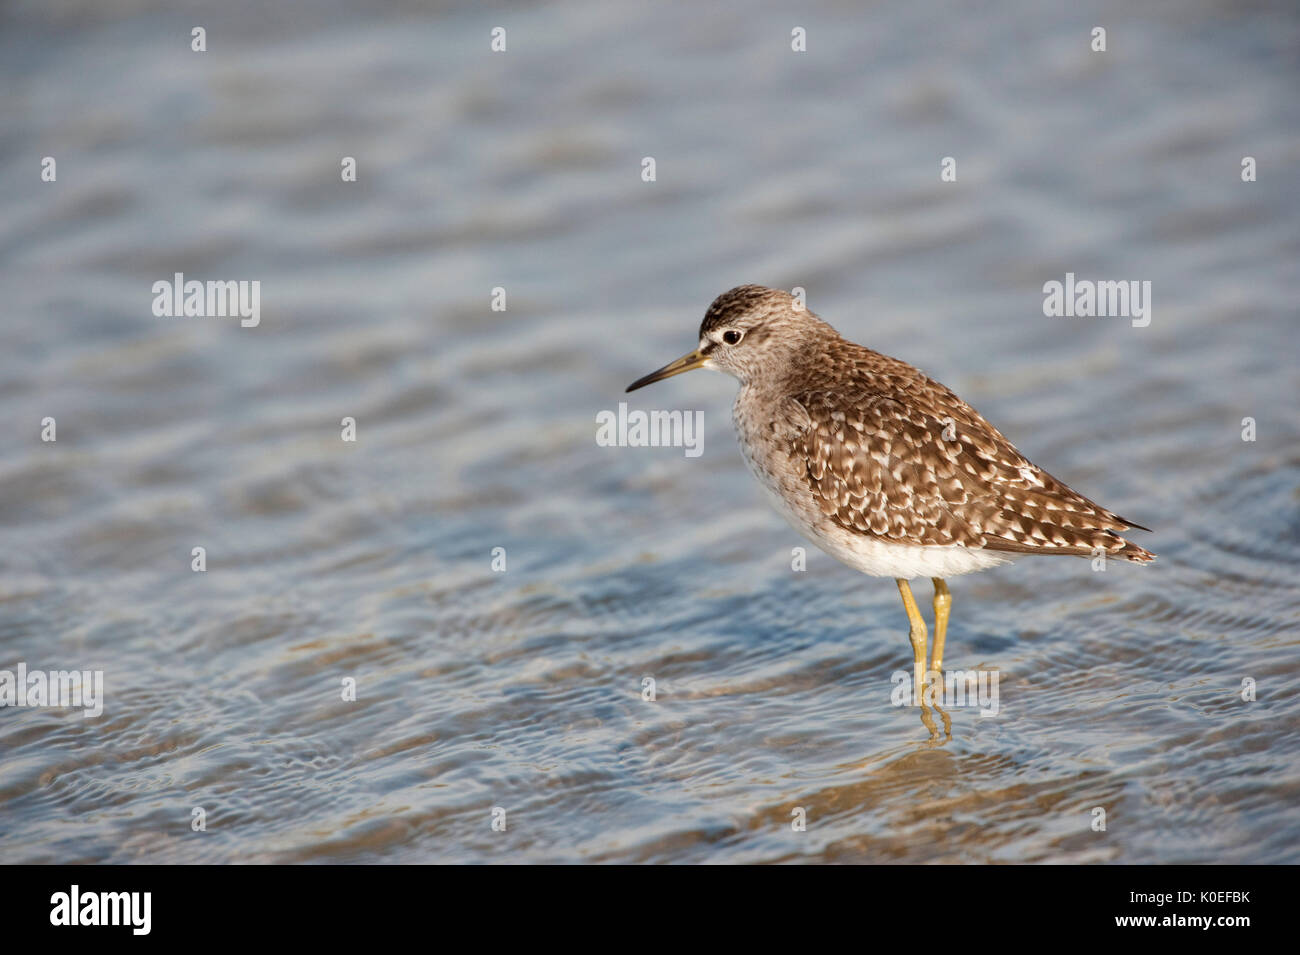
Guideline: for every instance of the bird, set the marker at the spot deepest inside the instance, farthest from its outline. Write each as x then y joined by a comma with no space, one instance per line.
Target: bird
881,466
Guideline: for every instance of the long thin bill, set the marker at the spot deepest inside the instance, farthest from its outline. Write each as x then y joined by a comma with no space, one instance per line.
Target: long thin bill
685,363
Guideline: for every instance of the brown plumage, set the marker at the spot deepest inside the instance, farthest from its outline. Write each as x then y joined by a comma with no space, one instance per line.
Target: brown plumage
892,453
882,450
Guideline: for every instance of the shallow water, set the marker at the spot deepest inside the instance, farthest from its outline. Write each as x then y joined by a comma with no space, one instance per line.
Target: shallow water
522,689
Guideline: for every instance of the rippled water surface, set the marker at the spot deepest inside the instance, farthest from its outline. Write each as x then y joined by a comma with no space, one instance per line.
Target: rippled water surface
373,560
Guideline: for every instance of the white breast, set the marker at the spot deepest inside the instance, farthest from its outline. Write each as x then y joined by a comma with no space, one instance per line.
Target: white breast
790,497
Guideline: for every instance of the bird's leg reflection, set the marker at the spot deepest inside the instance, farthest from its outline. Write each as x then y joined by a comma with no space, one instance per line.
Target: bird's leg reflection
928,722
930,696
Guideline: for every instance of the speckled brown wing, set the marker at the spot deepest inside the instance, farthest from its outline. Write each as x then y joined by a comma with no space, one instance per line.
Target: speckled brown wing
907,461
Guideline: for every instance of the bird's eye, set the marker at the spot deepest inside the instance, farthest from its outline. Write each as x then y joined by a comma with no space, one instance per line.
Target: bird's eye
731,337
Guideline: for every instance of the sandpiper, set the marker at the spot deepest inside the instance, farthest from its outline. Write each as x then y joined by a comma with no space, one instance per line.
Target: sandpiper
881,466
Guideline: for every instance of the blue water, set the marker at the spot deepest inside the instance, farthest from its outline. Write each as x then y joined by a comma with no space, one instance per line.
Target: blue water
522,689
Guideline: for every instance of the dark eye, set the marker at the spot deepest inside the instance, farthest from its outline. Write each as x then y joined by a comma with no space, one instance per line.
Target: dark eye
731,337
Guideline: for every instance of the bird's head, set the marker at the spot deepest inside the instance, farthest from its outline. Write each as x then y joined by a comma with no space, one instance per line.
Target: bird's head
748,332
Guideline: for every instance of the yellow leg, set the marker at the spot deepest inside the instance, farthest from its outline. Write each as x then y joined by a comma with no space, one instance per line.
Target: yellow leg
917,636
942,604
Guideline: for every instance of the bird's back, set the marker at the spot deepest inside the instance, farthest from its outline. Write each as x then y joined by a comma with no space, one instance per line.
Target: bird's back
882,450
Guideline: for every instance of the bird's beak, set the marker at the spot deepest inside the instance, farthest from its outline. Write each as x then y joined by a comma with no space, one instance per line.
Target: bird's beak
685,363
